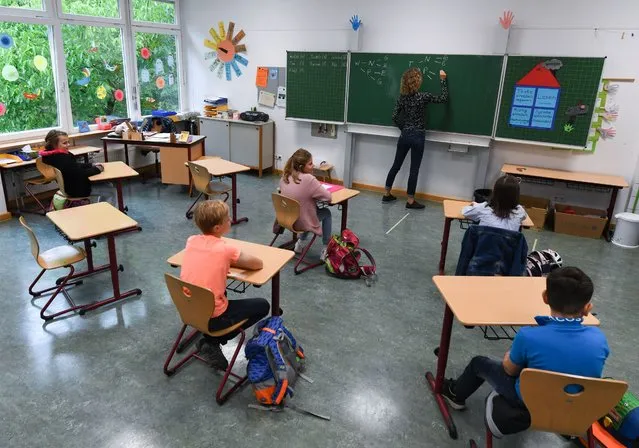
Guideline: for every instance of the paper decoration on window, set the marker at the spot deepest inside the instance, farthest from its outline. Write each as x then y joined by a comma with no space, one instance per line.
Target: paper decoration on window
3,109
170,61
261,77
150,100
32,95
145,76
118,95
6,41
536,98
87,77
101,92
83,126
10,73
171,79
93,48
272,73
109,67
159,83
225,48
159,67
506,20
356,22
40,63
145,53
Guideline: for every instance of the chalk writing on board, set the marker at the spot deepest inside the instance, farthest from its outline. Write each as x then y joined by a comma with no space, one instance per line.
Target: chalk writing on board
374,69
297,62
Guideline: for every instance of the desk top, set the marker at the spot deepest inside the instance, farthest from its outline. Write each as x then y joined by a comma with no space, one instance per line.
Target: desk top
76,151
568,176
220,167
274,259
114,170
151,141
337,197
89,221
452,209
496,300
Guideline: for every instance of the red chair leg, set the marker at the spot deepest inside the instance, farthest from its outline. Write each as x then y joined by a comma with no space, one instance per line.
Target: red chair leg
189,213
58,289
168,371
489,438
219,397
309,265
35,198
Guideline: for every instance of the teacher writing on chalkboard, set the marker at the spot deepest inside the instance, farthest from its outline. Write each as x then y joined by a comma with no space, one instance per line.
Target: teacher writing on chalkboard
409,117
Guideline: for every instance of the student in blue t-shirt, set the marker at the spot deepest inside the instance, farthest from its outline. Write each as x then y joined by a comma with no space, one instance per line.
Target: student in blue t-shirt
560,344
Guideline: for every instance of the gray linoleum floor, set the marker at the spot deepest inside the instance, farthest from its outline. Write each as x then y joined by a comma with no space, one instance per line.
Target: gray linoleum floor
97,381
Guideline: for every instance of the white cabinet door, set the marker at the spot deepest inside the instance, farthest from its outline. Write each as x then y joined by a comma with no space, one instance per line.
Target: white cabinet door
217,138
245,144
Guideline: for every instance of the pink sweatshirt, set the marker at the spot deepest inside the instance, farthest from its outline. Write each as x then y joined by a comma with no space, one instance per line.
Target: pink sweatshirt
306,193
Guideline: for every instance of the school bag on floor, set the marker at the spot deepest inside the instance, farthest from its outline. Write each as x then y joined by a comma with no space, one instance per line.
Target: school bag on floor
343,256
540,263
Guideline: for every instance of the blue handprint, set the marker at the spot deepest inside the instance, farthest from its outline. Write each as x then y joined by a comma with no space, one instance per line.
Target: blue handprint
355,22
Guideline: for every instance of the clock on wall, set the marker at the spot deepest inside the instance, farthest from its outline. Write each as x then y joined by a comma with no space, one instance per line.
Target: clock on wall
226,51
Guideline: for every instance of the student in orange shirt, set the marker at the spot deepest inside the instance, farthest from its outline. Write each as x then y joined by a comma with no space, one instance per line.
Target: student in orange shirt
207,260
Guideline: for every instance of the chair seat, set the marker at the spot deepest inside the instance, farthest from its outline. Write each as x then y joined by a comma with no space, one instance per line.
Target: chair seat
61,256
38,181
218,187
225,331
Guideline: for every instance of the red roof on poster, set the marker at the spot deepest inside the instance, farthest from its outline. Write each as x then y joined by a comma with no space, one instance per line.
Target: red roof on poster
539,76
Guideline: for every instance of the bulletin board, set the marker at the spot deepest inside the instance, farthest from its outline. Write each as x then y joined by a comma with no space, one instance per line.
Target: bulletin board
275,80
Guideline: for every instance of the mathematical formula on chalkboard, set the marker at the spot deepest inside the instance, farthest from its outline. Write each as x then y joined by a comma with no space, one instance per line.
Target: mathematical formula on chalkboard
375,69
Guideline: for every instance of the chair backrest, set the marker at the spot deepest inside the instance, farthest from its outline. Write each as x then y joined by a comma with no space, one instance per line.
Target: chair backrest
47,171
201,177
60,181
287,211
553,409
35,246
194,303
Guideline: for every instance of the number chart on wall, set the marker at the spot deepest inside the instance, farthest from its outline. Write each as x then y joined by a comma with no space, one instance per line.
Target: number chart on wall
549,99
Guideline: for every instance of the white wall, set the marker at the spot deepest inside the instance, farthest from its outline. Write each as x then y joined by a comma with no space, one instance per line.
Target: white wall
426,26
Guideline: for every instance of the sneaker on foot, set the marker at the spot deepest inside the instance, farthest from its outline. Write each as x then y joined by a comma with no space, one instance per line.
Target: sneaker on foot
299,247
449,395
388,198
323,255
415,205
211,353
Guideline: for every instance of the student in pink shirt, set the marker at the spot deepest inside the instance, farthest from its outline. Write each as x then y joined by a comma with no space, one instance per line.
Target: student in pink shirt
298,183
207,260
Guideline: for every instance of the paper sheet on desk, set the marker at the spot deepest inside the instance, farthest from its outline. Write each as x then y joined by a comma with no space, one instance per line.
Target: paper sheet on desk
8,161
332,187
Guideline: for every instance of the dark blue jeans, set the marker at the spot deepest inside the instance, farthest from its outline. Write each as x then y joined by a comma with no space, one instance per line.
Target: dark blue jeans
482,369
414,142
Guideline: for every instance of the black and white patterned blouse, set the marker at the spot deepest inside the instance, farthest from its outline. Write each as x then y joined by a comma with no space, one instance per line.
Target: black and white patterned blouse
409,109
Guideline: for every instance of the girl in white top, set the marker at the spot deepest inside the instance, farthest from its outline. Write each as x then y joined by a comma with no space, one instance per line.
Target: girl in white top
502,210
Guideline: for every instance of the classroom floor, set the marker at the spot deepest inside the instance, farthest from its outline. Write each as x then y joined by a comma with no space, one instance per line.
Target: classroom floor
97,380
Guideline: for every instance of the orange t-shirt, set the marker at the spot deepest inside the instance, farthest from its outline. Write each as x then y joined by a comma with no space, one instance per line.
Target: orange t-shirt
207,260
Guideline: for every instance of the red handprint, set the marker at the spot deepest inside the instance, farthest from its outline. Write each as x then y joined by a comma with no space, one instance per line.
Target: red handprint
506,19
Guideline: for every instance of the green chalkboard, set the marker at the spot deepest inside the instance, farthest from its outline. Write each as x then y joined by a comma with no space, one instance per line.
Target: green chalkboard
473,84
316,85
549,99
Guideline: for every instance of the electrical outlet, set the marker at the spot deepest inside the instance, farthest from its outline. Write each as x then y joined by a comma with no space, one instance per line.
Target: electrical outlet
278,157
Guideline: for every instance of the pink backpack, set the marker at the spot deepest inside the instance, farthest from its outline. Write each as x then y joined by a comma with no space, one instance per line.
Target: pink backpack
343,256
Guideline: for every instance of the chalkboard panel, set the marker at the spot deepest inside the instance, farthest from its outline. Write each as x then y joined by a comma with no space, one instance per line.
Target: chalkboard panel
316,85
473,83
549,99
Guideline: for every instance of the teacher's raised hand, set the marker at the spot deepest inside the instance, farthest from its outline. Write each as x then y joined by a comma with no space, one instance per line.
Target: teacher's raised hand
442,74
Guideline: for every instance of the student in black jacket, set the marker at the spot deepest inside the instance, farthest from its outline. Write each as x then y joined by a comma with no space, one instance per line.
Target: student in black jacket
75,174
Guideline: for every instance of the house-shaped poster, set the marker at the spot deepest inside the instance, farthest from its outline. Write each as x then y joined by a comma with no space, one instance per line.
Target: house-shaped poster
535,100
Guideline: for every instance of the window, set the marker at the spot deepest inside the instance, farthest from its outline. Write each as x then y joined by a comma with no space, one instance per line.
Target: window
96,8
27,90
158,11
26,4
95,71
157,72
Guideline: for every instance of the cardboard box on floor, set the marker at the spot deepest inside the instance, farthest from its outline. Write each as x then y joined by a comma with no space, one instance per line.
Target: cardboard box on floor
537,209
586,222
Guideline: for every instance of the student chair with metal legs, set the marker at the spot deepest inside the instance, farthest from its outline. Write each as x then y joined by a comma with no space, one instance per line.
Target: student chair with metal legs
287,212
560,403
47,176
58,257
73,202
202,182
195,305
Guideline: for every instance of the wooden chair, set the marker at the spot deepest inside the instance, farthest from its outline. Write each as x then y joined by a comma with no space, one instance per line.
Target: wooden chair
60,181
202,182
287,212
47,176
553,409
195,305
58,257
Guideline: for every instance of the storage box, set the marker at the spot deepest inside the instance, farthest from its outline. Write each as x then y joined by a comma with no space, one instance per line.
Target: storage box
537,209
586,222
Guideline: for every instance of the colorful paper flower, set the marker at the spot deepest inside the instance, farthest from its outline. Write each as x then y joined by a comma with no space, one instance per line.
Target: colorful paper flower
159,83
3,109
145,53
40,63
10,73
101,92
118,95
6,41
32,95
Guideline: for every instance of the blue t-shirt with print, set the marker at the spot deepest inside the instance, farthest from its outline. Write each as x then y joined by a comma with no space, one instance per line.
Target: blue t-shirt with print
560,345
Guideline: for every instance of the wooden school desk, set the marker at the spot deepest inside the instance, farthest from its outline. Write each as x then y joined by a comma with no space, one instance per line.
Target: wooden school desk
485,301
341,197
115,171
91,221
219,167
453,210
172,155
615,183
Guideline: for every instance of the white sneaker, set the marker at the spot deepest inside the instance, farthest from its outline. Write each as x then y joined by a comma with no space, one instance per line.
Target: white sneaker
323,255
299,246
